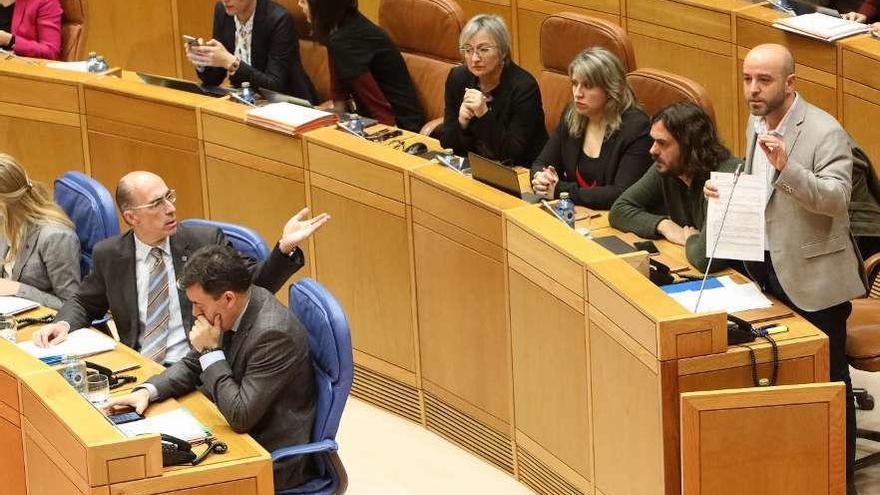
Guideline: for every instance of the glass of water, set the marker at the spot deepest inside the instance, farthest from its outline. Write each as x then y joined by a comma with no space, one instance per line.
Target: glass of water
97,389
8,327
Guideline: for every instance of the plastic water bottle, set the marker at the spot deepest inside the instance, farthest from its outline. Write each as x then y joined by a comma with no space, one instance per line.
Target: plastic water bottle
101,65
247,94
92,62
565,209
8,328
74,372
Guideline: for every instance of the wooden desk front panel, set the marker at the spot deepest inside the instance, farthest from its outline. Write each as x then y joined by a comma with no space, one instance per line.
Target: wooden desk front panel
551,371
708,61
12,476
362,257
626,407
531,14
135,34
861,94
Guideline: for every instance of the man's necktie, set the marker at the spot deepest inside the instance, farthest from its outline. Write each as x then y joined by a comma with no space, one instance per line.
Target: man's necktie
153,341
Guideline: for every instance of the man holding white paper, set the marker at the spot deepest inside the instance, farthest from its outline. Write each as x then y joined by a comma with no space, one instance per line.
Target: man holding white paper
802,156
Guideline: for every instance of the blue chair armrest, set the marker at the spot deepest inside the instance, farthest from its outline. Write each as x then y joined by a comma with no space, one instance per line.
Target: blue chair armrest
306,448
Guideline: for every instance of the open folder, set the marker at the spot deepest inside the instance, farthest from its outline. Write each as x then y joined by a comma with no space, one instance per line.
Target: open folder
179,423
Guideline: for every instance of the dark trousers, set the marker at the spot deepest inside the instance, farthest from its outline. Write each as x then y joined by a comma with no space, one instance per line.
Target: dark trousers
832,321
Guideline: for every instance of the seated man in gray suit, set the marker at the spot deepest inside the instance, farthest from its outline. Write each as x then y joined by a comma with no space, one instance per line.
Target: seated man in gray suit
803,154
249,355
133,274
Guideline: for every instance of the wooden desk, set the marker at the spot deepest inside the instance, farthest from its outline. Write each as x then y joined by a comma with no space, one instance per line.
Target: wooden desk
40,118
56,442
136,126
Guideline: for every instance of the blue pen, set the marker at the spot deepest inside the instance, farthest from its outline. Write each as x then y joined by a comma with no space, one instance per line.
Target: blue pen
52,360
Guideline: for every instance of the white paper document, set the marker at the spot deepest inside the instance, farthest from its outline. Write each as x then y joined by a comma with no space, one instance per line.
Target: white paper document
178,423
82,343
821,26
742,237
78,66
11,305
730,297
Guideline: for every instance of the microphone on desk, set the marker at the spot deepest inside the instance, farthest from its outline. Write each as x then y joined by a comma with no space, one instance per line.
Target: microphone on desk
736,175
12,55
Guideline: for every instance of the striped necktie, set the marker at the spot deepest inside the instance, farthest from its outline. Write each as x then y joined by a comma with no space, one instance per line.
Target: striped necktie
153,340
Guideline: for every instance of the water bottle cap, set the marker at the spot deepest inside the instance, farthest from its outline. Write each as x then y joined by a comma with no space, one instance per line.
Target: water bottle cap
245,84
563,195
93,54
101,58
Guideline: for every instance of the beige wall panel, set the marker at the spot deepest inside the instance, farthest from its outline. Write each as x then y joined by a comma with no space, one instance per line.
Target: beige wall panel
133,34
362,257
113,156
550,373
709,69
45,150
626,419
12,475
464,344
194,18
271,200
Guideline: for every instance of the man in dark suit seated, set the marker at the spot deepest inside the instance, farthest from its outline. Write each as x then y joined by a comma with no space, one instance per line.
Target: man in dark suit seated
667,202
249,355
133,274
254,41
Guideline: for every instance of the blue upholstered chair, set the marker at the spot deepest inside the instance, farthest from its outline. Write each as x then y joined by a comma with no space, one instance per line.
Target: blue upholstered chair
243,239
330,348
90,207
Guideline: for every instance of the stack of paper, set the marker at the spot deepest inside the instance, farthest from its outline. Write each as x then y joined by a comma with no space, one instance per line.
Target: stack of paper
82,343
821,27
78,66
723,294
178,423
11,305
289,118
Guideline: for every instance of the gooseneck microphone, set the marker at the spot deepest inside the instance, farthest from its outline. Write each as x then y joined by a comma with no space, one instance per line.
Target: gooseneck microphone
736,175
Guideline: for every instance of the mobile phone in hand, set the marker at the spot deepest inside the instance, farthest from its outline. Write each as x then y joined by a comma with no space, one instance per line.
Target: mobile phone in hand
125,417
191,40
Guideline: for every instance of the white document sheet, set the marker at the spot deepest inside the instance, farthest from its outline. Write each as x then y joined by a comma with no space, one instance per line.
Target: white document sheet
11,305
178,423
742,237
78,66
730,297
82,343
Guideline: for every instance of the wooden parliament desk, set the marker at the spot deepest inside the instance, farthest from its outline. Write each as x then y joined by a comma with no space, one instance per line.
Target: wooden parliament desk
472,313
54,441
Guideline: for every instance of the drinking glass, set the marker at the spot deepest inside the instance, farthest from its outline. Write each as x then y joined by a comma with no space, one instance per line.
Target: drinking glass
97,389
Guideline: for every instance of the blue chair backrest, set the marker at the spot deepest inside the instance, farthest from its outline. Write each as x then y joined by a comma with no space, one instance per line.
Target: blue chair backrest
243,239
90,207
330,349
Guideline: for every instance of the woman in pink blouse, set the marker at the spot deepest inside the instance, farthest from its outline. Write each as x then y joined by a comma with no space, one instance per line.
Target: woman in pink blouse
31,28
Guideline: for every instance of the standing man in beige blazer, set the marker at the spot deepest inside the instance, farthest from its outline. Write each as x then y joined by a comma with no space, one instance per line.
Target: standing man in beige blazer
811,263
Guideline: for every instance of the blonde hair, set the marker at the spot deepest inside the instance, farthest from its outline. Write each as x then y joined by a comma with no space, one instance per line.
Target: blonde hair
598,67
24,203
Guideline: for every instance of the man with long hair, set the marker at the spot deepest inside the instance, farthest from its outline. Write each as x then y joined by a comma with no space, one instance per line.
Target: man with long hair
667,202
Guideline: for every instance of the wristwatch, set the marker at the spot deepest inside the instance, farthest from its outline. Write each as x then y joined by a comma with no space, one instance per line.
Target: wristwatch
233,66
206,350
11,43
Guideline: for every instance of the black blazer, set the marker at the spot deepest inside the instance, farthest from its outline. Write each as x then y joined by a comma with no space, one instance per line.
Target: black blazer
275,62
511,131
624,158
112,283
264,387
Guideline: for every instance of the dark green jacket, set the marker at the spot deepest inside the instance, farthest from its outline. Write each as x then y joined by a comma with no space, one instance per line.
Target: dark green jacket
655,197
864,204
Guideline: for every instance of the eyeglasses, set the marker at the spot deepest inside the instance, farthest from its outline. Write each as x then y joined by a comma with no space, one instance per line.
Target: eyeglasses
482,50
170,197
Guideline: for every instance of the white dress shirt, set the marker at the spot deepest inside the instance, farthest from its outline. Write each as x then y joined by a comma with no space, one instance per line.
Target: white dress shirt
176,342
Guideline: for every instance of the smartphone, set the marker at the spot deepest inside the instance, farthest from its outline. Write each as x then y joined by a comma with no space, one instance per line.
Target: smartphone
648,246
126,417
191,40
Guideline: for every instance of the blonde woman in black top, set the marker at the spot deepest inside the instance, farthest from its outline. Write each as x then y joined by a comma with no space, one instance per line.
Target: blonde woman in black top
601,145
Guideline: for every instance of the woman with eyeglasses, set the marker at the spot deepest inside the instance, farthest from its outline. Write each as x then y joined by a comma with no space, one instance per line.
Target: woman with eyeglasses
39,247
493,106
367,72
601,145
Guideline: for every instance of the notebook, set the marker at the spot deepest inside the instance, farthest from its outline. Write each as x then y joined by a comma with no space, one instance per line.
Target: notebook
289,118
11,305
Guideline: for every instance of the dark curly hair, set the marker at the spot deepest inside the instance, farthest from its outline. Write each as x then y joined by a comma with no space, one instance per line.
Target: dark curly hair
701,150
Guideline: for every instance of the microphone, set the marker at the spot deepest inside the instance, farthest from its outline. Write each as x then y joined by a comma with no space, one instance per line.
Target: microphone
10,54
736,175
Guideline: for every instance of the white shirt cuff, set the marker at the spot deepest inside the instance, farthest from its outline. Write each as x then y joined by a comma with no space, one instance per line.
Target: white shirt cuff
211,358
149,387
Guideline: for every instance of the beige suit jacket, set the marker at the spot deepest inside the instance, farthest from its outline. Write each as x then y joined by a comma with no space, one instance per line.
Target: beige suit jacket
807,213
